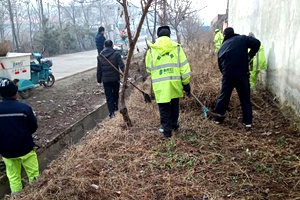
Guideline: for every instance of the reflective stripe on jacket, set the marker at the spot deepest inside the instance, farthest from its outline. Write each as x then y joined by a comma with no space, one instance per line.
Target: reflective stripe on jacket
169,69
17,123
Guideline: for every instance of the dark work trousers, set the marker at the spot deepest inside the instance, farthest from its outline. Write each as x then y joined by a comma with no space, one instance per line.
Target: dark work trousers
111,90
169,113
242,86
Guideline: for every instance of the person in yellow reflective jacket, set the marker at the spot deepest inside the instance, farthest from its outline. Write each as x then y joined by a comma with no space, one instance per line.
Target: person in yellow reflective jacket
257,64
170,73
218,39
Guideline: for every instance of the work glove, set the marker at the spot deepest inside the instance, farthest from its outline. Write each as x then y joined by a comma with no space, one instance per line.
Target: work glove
187,89
100,84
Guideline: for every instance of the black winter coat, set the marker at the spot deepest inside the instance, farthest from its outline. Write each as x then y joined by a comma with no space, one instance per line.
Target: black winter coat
17,123
233,55
105,72
99,40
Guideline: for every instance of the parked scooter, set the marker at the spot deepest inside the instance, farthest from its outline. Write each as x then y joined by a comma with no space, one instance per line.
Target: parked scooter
26,74
40,73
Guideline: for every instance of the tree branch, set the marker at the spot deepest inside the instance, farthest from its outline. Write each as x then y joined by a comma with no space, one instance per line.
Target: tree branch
132,42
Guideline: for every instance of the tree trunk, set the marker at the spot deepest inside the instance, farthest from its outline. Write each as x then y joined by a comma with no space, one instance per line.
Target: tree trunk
11,16
30,23
148,27
177,36
17,27
132,42
165,13
42,17
59,15
154,23
84,14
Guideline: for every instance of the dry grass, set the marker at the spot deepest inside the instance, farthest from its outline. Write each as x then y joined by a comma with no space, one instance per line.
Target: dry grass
201,160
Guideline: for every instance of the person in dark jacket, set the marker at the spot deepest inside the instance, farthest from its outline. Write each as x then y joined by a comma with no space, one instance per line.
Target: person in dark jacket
109,76
17,124
233,59
99,39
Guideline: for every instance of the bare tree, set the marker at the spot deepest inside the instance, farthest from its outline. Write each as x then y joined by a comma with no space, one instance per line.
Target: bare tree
154,21
12,21
132,41
19,16
191,28
85,10
3,21
28,4
174,12
31,21
179,11
58,4
73,12
42,14
162,11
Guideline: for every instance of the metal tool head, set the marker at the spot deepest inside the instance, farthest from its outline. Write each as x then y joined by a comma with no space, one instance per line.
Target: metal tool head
214,115
147,97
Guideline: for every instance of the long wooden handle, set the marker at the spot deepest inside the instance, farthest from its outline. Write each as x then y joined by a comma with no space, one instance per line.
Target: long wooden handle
198,100
111,64
210,113
121,73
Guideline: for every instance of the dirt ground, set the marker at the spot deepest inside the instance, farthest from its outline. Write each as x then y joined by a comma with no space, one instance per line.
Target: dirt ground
61,105
202,161
66,102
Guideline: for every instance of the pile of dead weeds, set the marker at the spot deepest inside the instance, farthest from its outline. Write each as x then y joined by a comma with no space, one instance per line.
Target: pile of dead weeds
201,161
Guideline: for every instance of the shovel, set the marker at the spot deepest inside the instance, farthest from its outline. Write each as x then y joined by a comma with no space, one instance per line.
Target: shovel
147,97
206,111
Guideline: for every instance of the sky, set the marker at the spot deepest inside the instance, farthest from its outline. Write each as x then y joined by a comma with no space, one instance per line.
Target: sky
213,8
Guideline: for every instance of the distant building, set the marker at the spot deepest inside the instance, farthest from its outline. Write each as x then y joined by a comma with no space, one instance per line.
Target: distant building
217,19
218,22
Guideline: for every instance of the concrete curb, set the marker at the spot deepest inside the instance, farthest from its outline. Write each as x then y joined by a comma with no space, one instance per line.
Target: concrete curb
71,135
68,137
76,73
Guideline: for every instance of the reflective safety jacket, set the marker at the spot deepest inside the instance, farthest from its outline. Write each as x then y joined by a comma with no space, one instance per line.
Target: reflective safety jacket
169,69
218,40
259,60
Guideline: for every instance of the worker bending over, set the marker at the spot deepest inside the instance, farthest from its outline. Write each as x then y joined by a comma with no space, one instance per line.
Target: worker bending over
233,61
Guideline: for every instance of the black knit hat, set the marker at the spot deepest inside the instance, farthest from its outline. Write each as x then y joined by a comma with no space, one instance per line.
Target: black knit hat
163,31
228,31
7,88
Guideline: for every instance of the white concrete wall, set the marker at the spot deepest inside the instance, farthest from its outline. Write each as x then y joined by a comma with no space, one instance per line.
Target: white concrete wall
276,23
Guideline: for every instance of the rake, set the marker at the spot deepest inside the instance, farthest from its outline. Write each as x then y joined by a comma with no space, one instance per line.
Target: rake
206,111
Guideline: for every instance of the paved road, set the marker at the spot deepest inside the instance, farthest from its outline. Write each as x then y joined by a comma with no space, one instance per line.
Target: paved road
70,64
